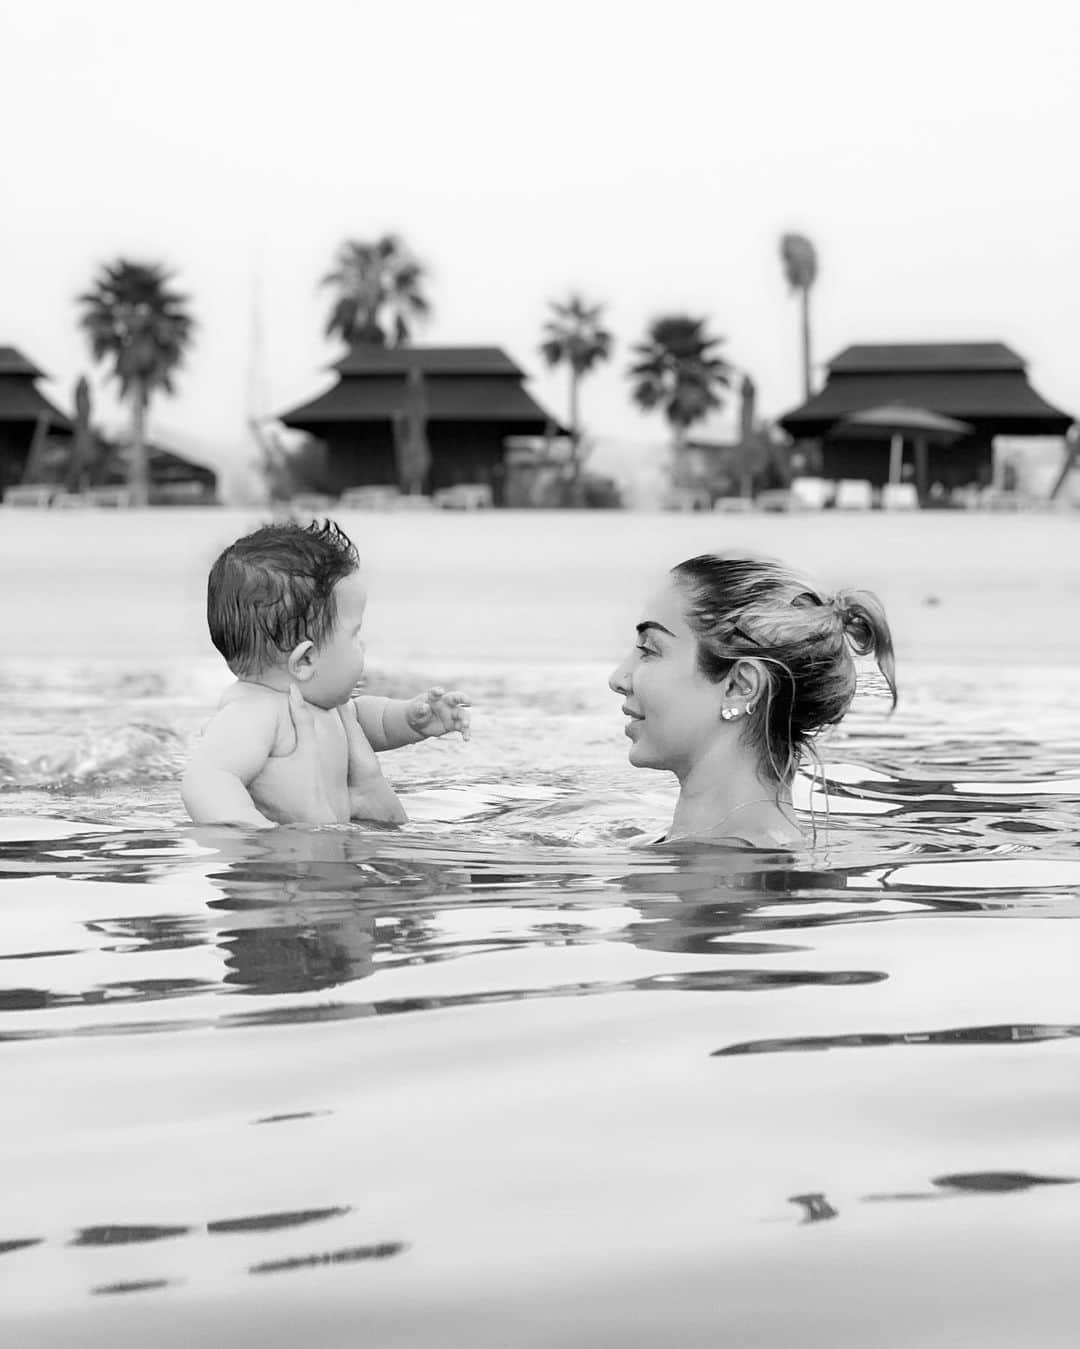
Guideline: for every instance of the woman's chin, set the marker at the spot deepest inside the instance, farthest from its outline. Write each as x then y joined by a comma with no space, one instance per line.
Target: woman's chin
640,757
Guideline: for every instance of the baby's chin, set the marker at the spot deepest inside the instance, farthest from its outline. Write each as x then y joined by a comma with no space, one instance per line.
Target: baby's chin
327,701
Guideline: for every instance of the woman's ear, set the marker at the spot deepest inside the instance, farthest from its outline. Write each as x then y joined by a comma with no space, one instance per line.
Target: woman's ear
301,662
746,681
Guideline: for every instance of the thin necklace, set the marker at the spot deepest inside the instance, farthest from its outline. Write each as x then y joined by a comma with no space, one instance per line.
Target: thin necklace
761,801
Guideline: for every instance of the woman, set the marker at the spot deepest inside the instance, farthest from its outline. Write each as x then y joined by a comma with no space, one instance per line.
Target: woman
737,665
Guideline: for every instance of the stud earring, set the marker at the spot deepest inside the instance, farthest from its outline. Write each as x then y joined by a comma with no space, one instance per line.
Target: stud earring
750,709
729,713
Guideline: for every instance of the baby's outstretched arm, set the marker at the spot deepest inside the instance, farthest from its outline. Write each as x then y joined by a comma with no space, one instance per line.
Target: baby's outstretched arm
370,795
232,752
390,723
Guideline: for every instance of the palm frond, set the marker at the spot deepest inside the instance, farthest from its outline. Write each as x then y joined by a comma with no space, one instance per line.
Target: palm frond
574,335
679,367
137,322
379,289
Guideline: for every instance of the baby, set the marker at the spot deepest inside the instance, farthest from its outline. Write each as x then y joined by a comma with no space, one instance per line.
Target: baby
289,742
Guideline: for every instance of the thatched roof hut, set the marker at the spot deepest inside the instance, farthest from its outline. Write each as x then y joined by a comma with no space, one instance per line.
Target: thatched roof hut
24,411
474,399
982,383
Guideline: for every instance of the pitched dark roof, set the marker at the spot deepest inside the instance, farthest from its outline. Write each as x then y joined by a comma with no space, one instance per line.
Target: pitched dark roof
979,382
924,357
1005,398
371,360
21,402
13,362
457,398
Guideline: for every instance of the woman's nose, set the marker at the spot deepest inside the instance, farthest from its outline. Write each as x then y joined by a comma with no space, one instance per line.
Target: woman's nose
618,680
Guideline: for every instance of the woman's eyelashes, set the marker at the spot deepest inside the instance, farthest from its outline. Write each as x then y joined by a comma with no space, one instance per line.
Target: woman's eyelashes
644,650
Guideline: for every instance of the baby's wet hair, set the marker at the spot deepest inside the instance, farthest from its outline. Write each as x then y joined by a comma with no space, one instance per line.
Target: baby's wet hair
804,640
274,589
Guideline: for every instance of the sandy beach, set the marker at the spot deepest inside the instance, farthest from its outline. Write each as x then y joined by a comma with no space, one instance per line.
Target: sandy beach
542,587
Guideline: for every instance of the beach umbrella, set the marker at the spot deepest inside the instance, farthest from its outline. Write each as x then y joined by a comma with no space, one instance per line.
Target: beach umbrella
410,434
894,421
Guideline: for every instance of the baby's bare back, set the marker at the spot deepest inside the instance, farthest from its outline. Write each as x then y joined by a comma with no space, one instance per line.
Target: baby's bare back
281,787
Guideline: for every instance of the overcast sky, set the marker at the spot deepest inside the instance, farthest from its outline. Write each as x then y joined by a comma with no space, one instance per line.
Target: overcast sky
649,154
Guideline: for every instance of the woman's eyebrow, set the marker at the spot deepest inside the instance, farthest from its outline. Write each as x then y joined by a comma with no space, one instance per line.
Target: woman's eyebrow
643,628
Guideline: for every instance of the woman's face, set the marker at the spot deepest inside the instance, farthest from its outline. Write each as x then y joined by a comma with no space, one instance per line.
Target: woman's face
672,711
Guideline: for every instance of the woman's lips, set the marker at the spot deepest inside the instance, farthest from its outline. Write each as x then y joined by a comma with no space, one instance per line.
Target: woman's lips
632,718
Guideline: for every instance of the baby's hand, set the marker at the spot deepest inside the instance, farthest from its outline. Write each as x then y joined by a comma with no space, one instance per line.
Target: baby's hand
438,712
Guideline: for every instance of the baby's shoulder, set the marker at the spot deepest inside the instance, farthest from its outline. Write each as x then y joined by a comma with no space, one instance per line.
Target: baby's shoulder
251,695
255,704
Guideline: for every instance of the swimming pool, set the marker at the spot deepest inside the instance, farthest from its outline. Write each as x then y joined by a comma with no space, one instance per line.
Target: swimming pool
497,1078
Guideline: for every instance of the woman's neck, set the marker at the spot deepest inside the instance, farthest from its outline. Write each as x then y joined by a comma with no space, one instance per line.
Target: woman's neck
712,793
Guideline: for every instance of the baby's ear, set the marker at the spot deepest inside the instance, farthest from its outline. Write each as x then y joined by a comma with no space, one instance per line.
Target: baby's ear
301,662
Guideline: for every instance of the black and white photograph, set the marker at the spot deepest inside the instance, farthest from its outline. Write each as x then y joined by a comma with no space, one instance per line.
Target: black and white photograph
540,675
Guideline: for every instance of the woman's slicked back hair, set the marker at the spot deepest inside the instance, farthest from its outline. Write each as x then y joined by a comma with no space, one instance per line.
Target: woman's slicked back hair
743,608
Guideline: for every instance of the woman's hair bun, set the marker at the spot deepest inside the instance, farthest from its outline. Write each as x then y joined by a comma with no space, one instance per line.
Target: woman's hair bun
856,625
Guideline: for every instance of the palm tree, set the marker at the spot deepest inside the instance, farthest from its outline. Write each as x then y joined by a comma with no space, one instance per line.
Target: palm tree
575,336
801,268
679,369
379,292
134,320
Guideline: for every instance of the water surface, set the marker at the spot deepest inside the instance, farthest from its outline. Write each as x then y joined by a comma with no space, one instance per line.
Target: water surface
501,1079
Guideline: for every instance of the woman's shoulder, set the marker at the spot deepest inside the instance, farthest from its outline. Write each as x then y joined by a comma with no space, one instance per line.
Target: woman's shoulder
766,839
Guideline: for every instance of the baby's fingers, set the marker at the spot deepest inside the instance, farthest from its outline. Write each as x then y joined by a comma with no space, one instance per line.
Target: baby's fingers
457,705
453,698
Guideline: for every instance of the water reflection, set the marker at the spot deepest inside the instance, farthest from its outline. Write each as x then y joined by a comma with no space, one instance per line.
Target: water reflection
973,1182
275,917
999,1182
19,1244
272,1222
292,1115
815,1207
382,1250
349,910
134,1286
964,1035
121,1235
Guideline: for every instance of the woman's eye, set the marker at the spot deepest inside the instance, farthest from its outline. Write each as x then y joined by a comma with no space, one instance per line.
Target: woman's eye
646,651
